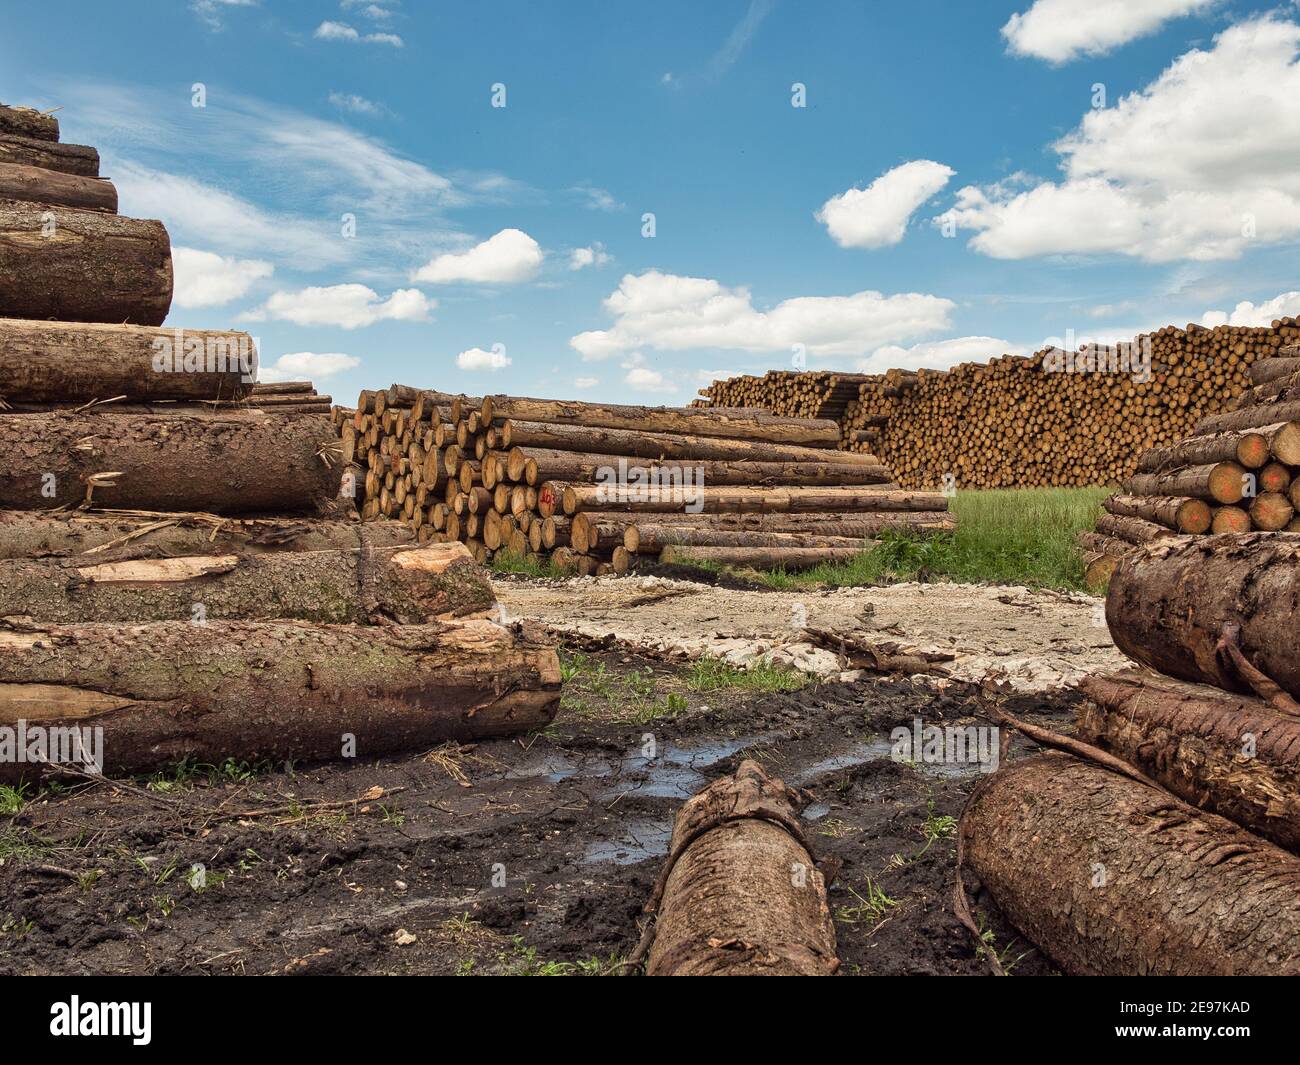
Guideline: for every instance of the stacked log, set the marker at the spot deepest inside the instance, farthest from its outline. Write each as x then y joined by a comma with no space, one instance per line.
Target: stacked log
578,481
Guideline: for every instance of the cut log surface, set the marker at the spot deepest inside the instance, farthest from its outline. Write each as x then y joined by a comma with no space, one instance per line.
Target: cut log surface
34,184
1222,482
1112,877
40,534
72,362
1174,512
168,691
407,585
787,558
83,266
1232,755
1170,600
219,465
28,122
741,894
51,155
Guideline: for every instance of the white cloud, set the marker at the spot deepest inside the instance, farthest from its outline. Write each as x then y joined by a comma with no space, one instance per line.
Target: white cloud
341,31
672,313
1061,30
586,382
595,255
478,359
644,379
1246,313
878,215
509,256
345,306
597,199
936,354
205,279
210,11
1199,165
358,105
307,366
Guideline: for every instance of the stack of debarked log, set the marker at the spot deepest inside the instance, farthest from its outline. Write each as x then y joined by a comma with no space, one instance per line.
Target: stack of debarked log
1171,846
1238,472
595,485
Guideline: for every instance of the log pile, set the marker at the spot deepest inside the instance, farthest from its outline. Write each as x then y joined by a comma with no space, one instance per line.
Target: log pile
1053,419
593,486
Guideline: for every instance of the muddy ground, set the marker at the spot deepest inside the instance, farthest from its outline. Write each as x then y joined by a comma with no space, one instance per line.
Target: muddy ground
528,856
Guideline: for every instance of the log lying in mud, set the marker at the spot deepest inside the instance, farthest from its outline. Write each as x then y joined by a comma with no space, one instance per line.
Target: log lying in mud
740,894
1112,877
1170,600
1232,755
33,184
74,362
83,266
76,159
233,464
171,690
787,558
408,585
40,534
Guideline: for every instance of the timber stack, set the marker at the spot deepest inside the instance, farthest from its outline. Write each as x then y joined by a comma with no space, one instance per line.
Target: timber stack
593,486
177,554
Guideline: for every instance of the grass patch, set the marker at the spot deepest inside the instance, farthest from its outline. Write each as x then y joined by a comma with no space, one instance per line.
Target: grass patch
712,674
11,799
870,909
525,565
637,696
187,773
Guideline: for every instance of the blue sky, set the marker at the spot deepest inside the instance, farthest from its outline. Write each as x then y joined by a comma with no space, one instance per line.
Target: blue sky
964,178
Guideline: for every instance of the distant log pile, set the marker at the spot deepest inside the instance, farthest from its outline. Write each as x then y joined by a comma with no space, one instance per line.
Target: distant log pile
595,485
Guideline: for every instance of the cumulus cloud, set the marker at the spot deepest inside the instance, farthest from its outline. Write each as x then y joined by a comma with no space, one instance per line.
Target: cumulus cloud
1246,313
205,279
644,379
595,255
478,359
357,105
1198,165
668,312
509,256
345,306
308,366
877,216
341,31
1061,30
936,354
210,11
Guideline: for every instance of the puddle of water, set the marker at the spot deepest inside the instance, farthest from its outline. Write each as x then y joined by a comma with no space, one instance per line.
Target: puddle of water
861,752
677,772
641,839
815,811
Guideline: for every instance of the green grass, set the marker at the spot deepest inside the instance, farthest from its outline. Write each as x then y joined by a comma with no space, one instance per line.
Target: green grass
531,566
712,674
11,799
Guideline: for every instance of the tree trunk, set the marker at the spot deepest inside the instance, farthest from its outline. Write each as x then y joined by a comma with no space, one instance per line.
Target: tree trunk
28,122
63,362
1223,482
536,465
407,585
171,690
787,558
1169,603
38,534
706,499
65,158
740,894
1131,530
1250,417
33,184
664,446
83,266
1178,513
651,539
232,464
1232,755
1111,877
1251,448
1266,370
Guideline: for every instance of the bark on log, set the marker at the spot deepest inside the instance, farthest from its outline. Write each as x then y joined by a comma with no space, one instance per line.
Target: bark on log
222,464
651,539
1251,448
536,465
200,409
83,266
727,903
32,184
1223,482
1112,877
167,691
706,499
1182,514
856,525
1249,417
407,585
28,122
1232,755
1131,530
76,159
37,534
72,362
1170,601
786,558
1266,370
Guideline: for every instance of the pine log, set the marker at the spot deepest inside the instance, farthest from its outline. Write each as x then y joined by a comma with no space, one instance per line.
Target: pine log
1131,530
1170,601
1179,513
1230,520
786,558
200,409
33,184
1251,448
650,539
1271,511
1112,877
28,122
855,525
168,691
1249,417
70,362
1232,755
1276,368
408,585
707,499
1223,482
536,465
51,155
740,894
83,266
1098,568
221,464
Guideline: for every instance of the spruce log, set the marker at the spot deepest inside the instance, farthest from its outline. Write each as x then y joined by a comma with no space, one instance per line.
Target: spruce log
1223,482
1251,448
1131,530
1249,417
650,539
40,534
1232,755
786,558
858,525
408,585
740,894
1179,513
171,690
76,159
83,266
221,464
1230,520
1271,511
28,122
1098,568
707,499
200,409
664,446
1112,877
72,362
33,184
1276,368
535,465
1170,600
